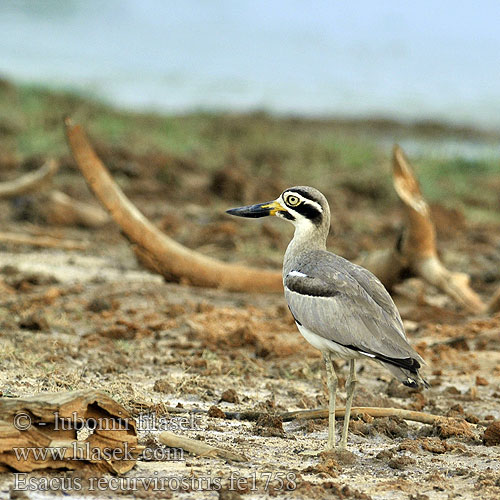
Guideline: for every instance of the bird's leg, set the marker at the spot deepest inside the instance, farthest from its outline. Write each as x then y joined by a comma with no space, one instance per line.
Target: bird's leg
332,380
351,384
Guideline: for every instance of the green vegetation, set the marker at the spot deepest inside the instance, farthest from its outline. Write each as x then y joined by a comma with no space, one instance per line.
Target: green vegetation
354,156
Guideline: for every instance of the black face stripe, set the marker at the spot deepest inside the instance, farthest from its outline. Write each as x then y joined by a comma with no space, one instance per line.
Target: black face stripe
309,212
287,215
305,209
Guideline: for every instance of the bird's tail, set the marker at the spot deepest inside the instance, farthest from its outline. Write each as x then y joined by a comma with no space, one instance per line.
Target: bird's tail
410,378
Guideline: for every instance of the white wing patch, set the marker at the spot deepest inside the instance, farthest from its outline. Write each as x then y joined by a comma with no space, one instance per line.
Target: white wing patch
366,354
297,273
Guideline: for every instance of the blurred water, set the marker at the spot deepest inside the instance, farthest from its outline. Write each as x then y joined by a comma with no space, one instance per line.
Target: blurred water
407,60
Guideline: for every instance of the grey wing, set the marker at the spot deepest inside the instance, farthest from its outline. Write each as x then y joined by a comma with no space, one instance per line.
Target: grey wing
347,304
377,291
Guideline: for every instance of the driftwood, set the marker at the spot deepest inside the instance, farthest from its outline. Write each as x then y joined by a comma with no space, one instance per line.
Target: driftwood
416,253
288,416
54,206
49,424
155,249
60,209
41,241
414,416
199,448
29,183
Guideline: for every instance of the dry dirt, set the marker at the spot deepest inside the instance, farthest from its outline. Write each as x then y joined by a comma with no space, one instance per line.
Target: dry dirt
95,318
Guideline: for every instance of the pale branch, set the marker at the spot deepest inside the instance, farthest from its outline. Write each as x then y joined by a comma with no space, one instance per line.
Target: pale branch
41,241
415,416
199,448
288,416
30,182
168,257
60,209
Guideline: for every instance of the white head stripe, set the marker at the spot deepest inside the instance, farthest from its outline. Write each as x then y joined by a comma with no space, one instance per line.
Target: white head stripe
315,204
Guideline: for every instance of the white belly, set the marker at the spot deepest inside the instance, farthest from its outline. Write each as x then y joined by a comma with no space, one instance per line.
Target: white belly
326,345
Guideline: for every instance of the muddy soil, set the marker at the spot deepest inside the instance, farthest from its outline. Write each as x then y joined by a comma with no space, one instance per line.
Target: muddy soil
95,318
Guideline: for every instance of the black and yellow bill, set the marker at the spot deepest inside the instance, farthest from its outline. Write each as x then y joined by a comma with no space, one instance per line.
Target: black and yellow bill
259,210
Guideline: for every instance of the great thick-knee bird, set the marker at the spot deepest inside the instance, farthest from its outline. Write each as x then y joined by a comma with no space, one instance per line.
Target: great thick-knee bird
341,308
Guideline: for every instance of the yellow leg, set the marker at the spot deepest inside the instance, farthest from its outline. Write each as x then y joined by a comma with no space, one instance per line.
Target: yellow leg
332,390
351,384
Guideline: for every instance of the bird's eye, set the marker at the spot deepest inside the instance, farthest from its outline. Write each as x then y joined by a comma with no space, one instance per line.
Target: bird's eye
292,200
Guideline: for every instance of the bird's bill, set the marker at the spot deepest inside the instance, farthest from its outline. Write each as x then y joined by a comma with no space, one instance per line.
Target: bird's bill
259,210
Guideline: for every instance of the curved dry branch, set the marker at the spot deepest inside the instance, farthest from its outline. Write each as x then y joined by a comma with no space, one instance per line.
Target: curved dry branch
30,182
171,259
416,251
420,238
419,242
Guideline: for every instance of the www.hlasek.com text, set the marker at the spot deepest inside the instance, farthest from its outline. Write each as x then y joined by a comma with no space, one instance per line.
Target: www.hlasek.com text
83,451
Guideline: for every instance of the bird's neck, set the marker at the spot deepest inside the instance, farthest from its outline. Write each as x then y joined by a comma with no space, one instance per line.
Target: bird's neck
305,239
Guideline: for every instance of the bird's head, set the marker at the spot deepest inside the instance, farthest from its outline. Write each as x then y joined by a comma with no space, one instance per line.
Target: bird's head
305,207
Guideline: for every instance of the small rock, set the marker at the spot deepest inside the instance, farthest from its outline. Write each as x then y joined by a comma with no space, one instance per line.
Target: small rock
455,411
163,385
328,466
411,445
269,425
385,454
435,445
35,321
401,463
491,436
342,457
481,381
453,427
230,396
393,427
472,419
215,412
99,304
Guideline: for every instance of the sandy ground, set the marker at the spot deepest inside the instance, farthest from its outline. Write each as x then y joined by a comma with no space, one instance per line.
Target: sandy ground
74,321
95,318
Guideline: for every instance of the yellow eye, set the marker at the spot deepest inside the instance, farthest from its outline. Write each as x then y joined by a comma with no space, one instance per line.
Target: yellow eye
292,200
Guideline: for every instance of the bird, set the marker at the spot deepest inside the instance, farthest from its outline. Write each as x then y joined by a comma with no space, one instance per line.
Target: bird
339,307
